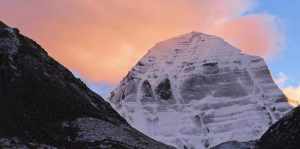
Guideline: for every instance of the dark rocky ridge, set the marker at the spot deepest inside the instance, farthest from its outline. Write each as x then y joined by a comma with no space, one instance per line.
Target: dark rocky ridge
43,103
285,134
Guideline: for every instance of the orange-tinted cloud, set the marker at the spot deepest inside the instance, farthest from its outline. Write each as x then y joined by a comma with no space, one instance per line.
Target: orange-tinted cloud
103,39
254,34
293,94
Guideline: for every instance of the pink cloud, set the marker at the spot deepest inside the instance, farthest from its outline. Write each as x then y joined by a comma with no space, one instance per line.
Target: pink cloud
254,34
104,39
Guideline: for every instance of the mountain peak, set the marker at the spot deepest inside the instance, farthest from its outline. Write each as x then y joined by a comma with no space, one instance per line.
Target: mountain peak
197,91
193,45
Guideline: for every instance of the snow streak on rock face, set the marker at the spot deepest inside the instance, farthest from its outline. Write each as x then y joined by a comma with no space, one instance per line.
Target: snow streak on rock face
197,91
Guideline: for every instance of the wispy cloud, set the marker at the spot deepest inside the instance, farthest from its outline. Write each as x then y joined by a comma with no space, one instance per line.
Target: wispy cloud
291,91
293,94
103,39
281,78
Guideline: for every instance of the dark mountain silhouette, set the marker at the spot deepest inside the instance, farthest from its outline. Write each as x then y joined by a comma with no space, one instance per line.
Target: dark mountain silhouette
42,104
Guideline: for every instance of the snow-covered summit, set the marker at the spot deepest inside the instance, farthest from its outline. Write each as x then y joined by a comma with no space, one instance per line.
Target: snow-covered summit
196,91
199,44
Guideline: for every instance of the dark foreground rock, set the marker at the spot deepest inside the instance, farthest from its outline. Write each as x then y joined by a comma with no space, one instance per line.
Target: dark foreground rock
43,105
285,134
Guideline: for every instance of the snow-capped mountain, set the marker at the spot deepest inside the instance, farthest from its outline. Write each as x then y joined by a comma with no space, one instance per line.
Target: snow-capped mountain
42,105
196,91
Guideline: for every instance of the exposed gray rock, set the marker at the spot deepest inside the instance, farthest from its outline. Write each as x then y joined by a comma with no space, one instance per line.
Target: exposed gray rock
42,105
163,90
147,91
15,143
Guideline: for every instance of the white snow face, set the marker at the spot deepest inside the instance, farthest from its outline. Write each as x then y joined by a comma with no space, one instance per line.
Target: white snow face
196,91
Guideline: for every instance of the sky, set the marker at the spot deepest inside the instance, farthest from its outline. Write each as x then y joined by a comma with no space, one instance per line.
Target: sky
100,40
284,65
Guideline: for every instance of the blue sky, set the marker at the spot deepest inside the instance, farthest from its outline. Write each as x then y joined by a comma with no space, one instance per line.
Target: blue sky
288,59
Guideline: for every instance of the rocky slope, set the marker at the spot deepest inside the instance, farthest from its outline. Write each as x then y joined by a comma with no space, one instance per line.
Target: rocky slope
285,134
43,105
196,91
236,145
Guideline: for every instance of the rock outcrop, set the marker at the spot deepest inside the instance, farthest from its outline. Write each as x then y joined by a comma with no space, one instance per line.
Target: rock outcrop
42,105
196,91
